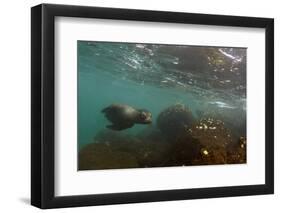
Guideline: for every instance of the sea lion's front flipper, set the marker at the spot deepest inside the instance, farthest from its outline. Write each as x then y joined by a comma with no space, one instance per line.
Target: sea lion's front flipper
118,127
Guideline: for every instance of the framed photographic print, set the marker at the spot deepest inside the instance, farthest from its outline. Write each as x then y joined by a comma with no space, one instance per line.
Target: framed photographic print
139,106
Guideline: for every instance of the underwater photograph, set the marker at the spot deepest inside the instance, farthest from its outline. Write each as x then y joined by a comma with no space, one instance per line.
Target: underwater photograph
160,105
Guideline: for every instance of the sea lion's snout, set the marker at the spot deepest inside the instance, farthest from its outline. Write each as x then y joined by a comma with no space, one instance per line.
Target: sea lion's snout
146,117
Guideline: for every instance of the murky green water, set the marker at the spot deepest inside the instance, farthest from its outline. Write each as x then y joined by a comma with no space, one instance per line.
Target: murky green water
154,77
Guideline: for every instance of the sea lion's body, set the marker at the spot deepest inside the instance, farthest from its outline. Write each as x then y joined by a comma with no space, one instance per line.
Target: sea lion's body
124,116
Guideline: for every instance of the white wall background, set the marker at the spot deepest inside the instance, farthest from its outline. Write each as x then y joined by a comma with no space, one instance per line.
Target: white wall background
15,105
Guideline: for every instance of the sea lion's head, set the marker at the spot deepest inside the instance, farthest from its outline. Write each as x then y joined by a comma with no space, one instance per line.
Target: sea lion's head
144,117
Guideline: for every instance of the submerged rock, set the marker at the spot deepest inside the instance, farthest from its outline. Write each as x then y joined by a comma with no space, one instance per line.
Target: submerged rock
182,151
236,152
206,142
213,137
154,149
175,120
234,119
102,156
111,150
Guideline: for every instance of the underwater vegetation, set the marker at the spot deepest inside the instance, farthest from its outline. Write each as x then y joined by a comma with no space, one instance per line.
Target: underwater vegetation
178,139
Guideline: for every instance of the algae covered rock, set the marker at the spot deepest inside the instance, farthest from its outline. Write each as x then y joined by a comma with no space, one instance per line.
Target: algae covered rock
102,156
213,137
111,150
175,120
205,142
234,118
182,151
237,152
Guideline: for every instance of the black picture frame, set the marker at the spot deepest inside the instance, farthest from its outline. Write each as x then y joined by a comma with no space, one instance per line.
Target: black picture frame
43,102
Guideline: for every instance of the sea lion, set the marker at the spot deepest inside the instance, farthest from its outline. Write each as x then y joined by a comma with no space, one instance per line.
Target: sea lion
123,116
